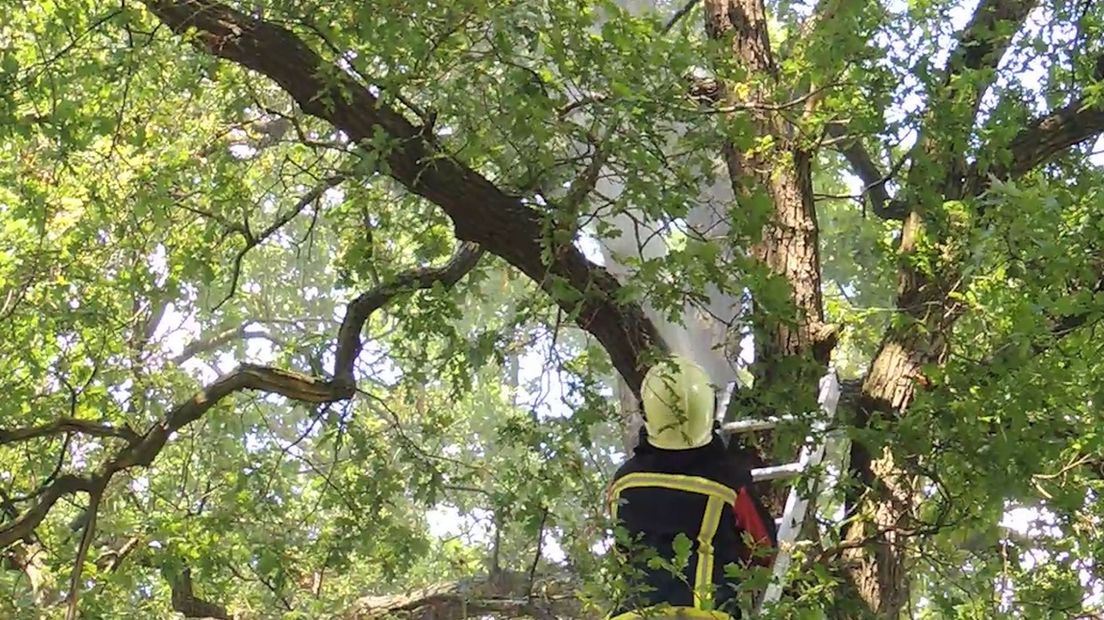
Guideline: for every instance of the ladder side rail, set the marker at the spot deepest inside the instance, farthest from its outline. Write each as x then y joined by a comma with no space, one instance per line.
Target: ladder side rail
797,503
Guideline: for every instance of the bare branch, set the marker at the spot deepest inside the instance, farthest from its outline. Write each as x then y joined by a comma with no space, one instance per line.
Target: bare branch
226,336
306,200
582,102
67,425
538,552
679,14
110,560
348,337
25,525
252,241
583,185
481,212
94,497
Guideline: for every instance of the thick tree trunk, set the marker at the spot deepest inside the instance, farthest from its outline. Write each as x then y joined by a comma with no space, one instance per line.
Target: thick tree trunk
782,174
877,558
792,343
789,249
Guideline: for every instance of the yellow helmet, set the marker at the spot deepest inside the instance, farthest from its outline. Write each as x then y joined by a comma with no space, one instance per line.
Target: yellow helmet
678,405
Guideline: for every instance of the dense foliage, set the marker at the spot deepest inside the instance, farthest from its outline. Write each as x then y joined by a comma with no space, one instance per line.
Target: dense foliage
302,305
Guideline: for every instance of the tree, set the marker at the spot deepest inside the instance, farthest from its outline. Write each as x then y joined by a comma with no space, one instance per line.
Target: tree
235,172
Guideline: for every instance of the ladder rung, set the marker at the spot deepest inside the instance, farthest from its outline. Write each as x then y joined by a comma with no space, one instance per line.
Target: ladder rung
751,426
777,472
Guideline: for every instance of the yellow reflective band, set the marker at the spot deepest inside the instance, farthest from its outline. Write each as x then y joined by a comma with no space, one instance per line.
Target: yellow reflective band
718,495
703,579
678,482
667,612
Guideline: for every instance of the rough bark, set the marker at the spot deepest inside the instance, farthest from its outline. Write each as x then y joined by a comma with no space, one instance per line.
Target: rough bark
878,567
505,594
788,247
185,601
792,344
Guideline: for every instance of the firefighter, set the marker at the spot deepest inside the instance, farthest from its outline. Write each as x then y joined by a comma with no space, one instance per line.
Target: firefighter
682,481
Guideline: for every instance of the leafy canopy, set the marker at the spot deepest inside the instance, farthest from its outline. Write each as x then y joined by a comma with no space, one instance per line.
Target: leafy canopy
166,216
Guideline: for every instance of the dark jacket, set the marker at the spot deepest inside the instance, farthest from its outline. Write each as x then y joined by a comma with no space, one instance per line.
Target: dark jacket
704,494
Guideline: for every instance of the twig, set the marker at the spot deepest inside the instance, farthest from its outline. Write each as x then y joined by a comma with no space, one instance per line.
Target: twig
681,13
252,241
537,555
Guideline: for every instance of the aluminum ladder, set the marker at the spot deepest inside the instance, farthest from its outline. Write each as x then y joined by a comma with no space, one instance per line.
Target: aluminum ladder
812,455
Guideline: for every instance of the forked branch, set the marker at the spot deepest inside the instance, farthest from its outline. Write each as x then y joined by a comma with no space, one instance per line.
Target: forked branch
141,450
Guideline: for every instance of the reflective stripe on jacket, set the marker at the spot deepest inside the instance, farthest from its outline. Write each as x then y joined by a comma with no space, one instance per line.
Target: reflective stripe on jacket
703,494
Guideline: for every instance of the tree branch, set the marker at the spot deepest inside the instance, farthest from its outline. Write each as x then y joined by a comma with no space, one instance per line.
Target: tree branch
184,600
67,425
981,45
23,526
506,594
1057,328
93,510
1040,142
30,558
252,241
141,450
951,114
306,200
780,173
206,345
481,212
823,13
874,182
109,561
362,307
679,14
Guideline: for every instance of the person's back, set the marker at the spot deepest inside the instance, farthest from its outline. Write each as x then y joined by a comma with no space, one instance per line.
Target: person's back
683,507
